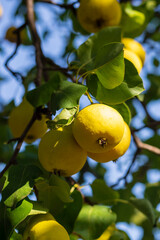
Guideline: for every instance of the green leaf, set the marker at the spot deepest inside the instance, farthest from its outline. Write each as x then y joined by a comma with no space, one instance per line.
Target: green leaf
100,170
132,20
5,225
18,195
156,36
73,237
92,221
20,182
30,78
119,235
8,108
136,18
41,95
5,149
145,207
67,95
107,53
64,189
65,117
2,182
129,88
152,193
156,62
70,211
17,215
37,209
148,231
10,219
124,110
90,48
29,156
153,92
16,236
53,194
109,65
124,206
102,193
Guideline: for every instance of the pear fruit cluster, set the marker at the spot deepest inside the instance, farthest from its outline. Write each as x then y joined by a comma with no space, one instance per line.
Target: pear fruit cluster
94,15
102,132
98,131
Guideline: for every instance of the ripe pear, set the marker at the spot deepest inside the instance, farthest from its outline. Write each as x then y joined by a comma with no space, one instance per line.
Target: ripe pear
19,119
134,46
94,15
45,227
59,152
98,128
134,58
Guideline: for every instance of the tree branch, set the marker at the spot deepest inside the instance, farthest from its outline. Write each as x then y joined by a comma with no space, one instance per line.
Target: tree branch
36,41
145,146
55,67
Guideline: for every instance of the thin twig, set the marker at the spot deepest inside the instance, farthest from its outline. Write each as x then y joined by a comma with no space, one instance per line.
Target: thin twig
17,32
15,74
13,140
63,70
124,178
72,182
125,1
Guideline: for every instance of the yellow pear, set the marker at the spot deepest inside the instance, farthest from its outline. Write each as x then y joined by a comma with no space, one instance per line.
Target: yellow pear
94,15
12,37
59,152
98,128
115,152
45,227
135,47
19,119
132,57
